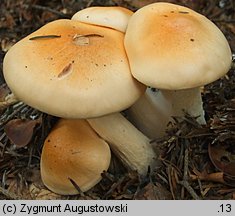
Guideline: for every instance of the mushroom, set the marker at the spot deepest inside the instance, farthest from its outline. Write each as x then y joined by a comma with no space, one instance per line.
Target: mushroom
176,50
67,68
71,69
112,17
73,153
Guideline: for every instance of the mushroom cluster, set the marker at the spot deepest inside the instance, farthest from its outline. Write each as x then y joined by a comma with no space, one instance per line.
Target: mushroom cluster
78,70
88,69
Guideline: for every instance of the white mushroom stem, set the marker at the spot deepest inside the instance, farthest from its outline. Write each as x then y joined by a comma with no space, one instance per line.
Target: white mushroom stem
154,110
151,113
126,141
187,101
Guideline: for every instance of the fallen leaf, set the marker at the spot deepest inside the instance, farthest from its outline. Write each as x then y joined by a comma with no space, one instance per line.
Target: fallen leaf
223,157
153,192
20,131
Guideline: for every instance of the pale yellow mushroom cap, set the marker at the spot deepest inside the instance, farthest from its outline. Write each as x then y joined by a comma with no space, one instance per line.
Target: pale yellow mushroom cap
73,151
76,71
173,47
112,17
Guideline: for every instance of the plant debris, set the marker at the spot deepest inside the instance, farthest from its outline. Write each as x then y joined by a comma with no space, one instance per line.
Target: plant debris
20,131
44,37
188,167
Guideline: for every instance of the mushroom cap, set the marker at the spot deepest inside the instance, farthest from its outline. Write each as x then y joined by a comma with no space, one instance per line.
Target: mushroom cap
74,151
81,71
173,47
112,17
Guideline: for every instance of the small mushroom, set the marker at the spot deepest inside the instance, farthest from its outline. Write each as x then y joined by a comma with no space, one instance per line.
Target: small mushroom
176,50
112,17
73,153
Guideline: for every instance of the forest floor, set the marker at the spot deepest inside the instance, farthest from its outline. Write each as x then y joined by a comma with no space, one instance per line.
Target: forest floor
195,162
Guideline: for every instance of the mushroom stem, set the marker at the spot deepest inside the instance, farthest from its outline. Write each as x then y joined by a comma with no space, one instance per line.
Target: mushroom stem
126,141
187,101
9,100
153,111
